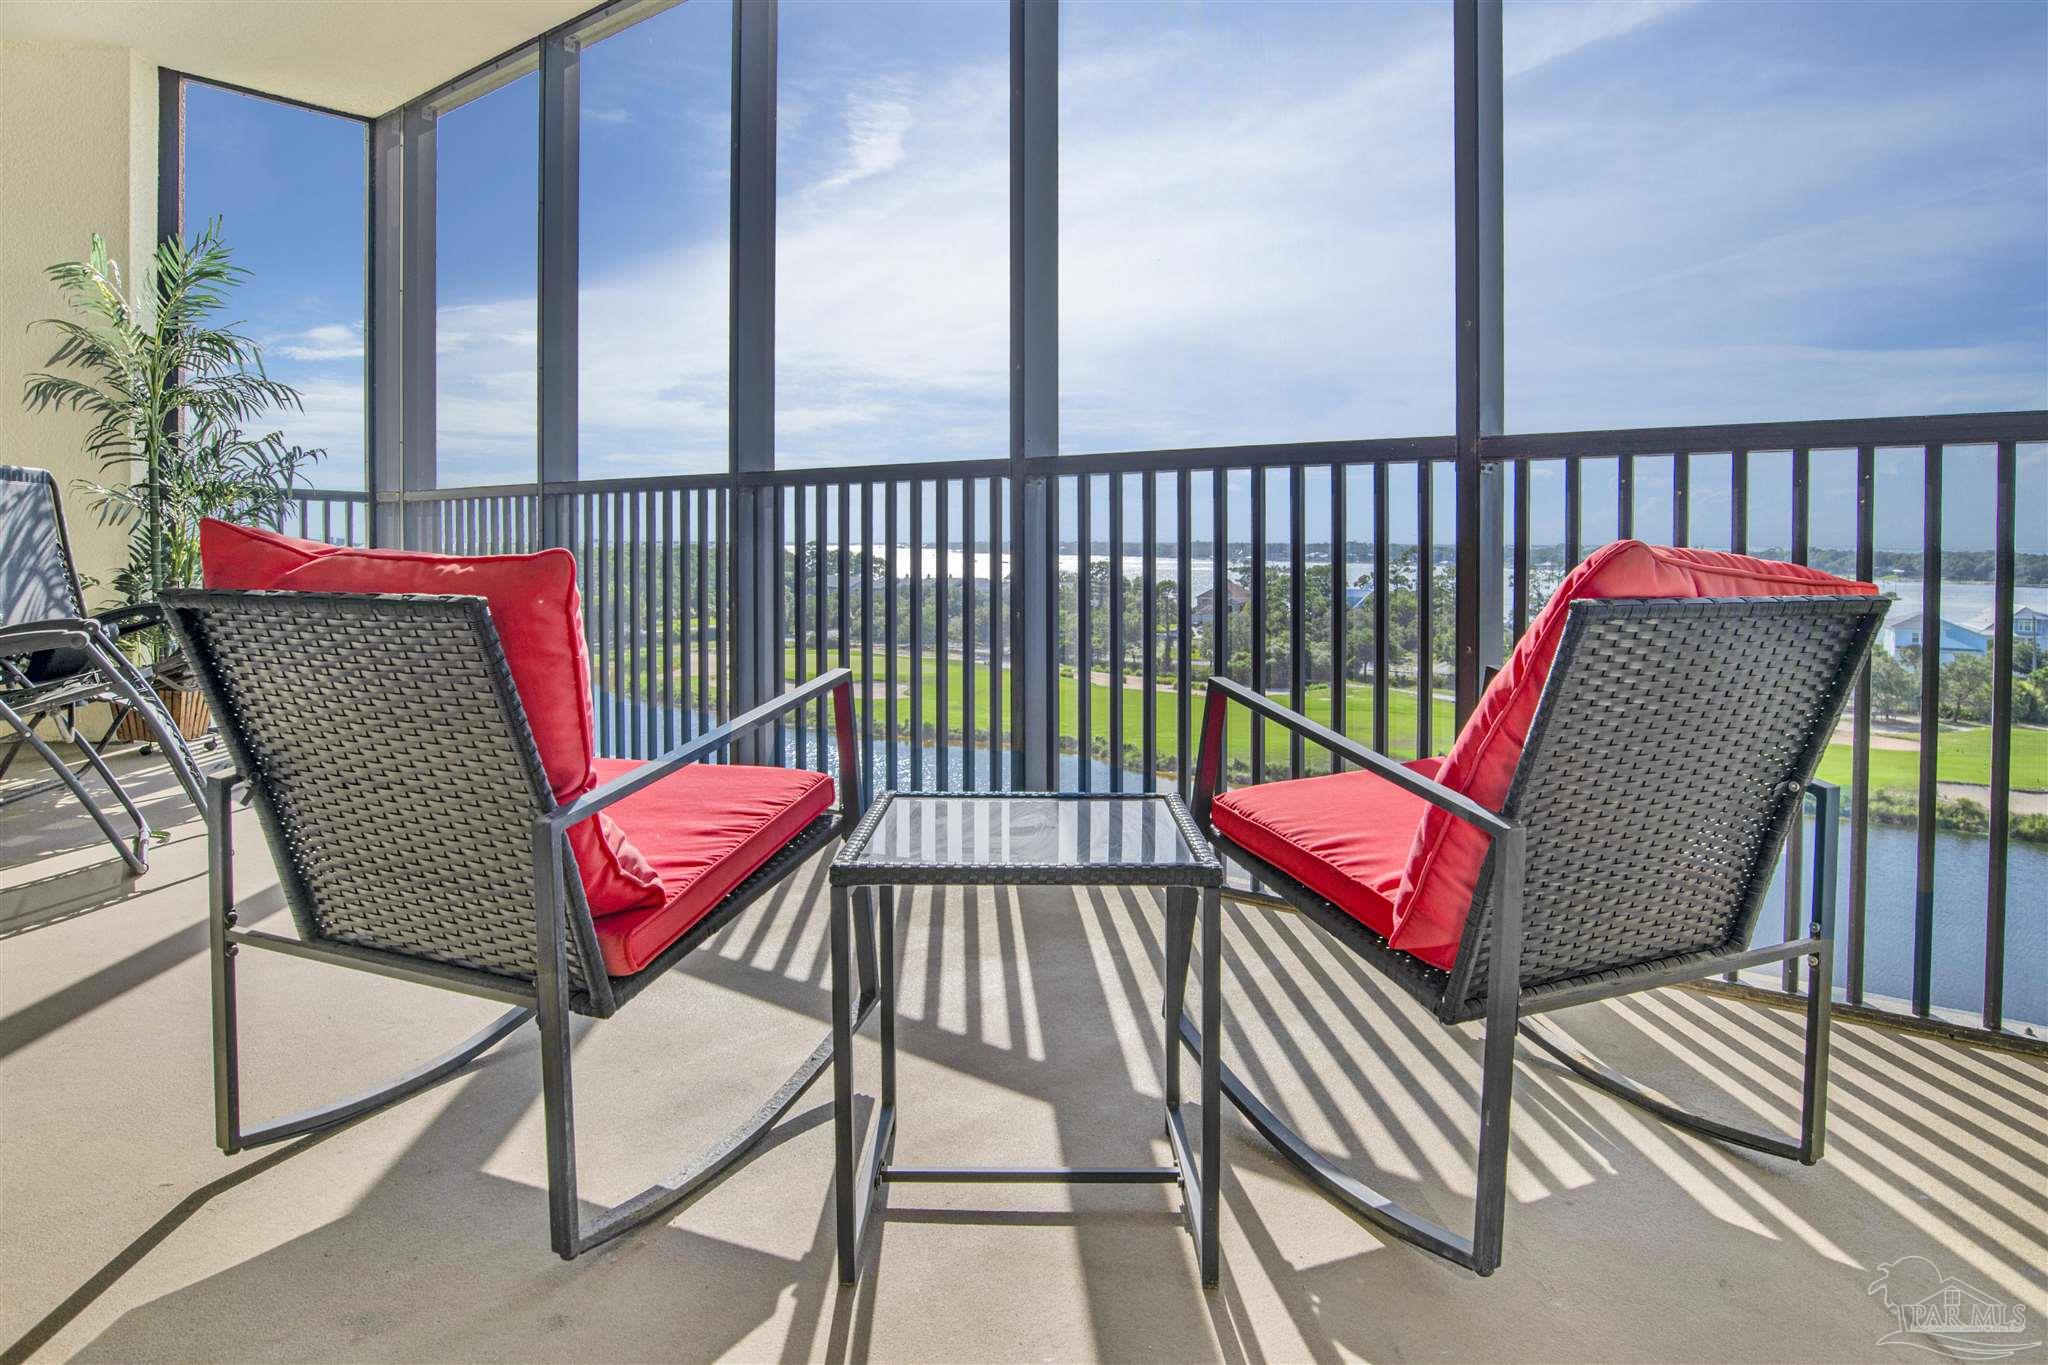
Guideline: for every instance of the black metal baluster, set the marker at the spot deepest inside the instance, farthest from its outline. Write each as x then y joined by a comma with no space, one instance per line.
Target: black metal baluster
1380,567
1340,606
1625,498
1116,632
1425,593
1574,483
867,643
941,644
1930,732
1521,561
1084,635
970,576
1681,498
1859,773
998,632
2004,534
1258,609
722,522
1184,529
1148,627
889,621
917,745
1297,608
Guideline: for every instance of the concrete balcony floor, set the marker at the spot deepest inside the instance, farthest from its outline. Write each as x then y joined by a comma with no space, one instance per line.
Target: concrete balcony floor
1028,1034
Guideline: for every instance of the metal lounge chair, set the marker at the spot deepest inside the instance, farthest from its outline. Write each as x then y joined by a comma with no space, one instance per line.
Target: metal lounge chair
55,657
1670,752
400,789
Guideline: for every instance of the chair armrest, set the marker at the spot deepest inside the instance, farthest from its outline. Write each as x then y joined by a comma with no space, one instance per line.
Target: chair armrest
1209,761
838,682
119,621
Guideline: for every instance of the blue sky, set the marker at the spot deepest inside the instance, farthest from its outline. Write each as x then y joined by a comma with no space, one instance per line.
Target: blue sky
1715,212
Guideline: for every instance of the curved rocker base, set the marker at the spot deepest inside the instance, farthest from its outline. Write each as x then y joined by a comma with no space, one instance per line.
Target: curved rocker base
1377,1211
1805,1149
422,1077
717,1162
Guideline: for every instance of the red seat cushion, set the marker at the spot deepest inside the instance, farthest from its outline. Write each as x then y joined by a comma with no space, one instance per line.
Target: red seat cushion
1443,867
538,614
705,828
1344,836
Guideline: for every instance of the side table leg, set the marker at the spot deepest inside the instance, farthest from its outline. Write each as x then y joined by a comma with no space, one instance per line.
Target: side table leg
1180,935
1212,1069
842,1089
884,909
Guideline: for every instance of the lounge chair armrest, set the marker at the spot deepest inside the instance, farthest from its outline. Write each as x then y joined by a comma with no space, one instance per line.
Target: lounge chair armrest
55,633
838,682
1208,766
119,621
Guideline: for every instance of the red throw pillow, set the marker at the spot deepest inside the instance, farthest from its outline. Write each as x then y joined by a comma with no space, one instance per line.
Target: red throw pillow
232,556
1444,865
538,614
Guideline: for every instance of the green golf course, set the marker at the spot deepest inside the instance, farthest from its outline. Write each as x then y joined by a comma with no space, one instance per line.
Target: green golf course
1965,754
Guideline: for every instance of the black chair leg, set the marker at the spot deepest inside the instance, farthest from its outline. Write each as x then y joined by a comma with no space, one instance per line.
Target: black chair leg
229,1134
569,1234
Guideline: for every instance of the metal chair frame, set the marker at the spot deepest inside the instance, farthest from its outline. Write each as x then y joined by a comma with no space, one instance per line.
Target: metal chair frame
562,935
82,653
1504,995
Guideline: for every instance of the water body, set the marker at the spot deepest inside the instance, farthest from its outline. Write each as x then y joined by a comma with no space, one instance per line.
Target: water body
1961,864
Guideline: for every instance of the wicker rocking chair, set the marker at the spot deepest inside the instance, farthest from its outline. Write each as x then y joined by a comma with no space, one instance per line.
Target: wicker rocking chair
1667,762
56,658
416,836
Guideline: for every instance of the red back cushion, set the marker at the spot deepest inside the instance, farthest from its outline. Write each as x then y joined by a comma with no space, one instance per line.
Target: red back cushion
1445,861
243,557
538,614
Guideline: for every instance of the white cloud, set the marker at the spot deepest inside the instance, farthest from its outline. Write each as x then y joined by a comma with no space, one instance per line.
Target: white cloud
1256,246
330,341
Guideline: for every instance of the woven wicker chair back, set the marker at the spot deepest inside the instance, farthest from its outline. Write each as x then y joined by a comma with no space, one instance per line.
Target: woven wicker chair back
37,582
1667,761
393,769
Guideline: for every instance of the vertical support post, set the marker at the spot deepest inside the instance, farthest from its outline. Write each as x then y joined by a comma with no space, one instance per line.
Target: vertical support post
756,560
1480,621
551,989
556,420
416,324
220,917
170,154
384,358
1034,384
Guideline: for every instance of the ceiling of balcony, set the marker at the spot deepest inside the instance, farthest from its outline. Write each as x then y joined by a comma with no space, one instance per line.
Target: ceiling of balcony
363,56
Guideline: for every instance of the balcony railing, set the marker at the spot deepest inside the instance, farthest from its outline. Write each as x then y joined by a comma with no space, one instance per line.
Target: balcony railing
1163,567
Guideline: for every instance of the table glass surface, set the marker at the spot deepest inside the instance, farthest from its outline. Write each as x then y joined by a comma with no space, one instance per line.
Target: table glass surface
1004,831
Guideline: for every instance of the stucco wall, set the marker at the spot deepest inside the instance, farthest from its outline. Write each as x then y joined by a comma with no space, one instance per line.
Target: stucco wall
77,156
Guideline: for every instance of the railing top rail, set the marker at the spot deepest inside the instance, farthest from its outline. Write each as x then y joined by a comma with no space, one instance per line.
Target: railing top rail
1974,428
1967,428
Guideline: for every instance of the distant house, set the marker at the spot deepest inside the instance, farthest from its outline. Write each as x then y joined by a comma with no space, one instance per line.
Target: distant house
2030,624
1234,594
1956,641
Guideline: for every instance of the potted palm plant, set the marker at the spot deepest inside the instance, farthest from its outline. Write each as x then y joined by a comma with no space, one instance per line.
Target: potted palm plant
173,394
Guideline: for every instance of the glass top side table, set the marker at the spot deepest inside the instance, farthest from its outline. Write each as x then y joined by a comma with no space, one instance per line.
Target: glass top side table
998,839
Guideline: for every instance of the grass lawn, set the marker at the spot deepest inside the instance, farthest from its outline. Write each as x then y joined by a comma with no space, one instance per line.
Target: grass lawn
1965,754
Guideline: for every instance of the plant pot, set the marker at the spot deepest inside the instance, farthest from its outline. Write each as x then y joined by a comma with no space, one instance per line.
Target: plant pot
188,711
